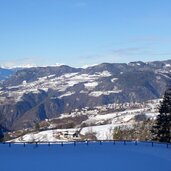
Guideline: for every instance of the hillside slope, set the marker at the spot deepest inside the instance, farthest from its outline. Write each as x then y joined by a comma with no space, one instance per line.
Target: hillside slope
34,94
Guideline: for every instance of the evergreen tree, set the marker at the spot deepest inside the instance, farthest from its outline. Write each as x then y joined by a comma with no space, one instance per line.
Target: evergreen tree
1,135
162,128
37,126
1,131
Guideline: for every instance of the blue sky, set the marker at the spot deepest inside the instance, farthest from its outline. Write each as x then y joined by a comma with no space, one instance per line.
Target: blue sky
84,32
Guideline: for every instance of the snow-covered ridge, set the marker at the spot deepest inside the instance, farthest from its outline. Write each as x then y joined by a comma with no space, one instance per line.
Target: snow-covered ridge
87,66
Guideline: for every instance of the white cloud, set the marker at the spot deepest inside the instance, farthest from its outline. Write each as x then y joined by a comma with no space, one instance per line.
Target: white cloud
10,65
25,63
18,63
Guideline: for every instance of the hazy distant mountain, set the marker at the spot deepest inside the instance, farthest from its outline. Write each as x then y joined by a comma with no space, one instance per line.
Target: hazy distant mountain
34,94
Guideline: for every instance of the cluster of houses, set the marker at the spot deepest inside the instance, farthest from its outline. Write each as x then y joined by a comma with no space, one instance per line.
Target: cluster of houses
68,135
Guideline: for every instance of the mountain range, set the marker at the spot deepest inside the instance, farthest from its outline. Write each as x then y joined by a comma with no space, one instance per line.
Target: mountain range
30,95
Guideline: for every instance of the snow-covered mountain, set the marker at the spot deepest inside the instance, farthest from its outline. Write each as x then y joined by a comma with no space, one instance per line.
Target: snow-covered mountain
34,94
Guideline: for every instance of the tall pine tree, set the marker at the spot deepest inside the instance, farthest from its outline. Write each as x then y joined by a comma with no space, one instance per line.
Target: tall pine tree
1,135
1,130
162,128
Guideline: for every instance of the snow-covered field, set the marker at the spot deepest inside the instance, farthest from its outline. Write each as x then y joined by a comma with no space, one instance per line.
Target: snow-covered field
103,132
86,157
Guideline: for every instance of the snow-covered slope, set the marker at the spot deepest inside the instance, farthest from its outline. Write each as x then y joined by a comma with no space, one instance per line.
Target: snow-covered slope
100,122
60,84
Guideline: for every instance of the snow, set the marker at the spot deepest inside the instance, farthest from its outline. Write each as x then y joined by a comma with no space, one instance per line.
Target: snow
104,74
96,93
40,136
167,65
128,118
69,93
102,132
24,82
50,76
57,64
151,115
165,76
100,93
114,79
82,156
45,89
91,85
87,66
44,136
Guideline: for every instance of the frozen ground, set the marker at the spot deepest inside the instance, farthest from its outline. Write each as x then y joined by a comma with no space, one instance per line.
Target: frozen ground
83,157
